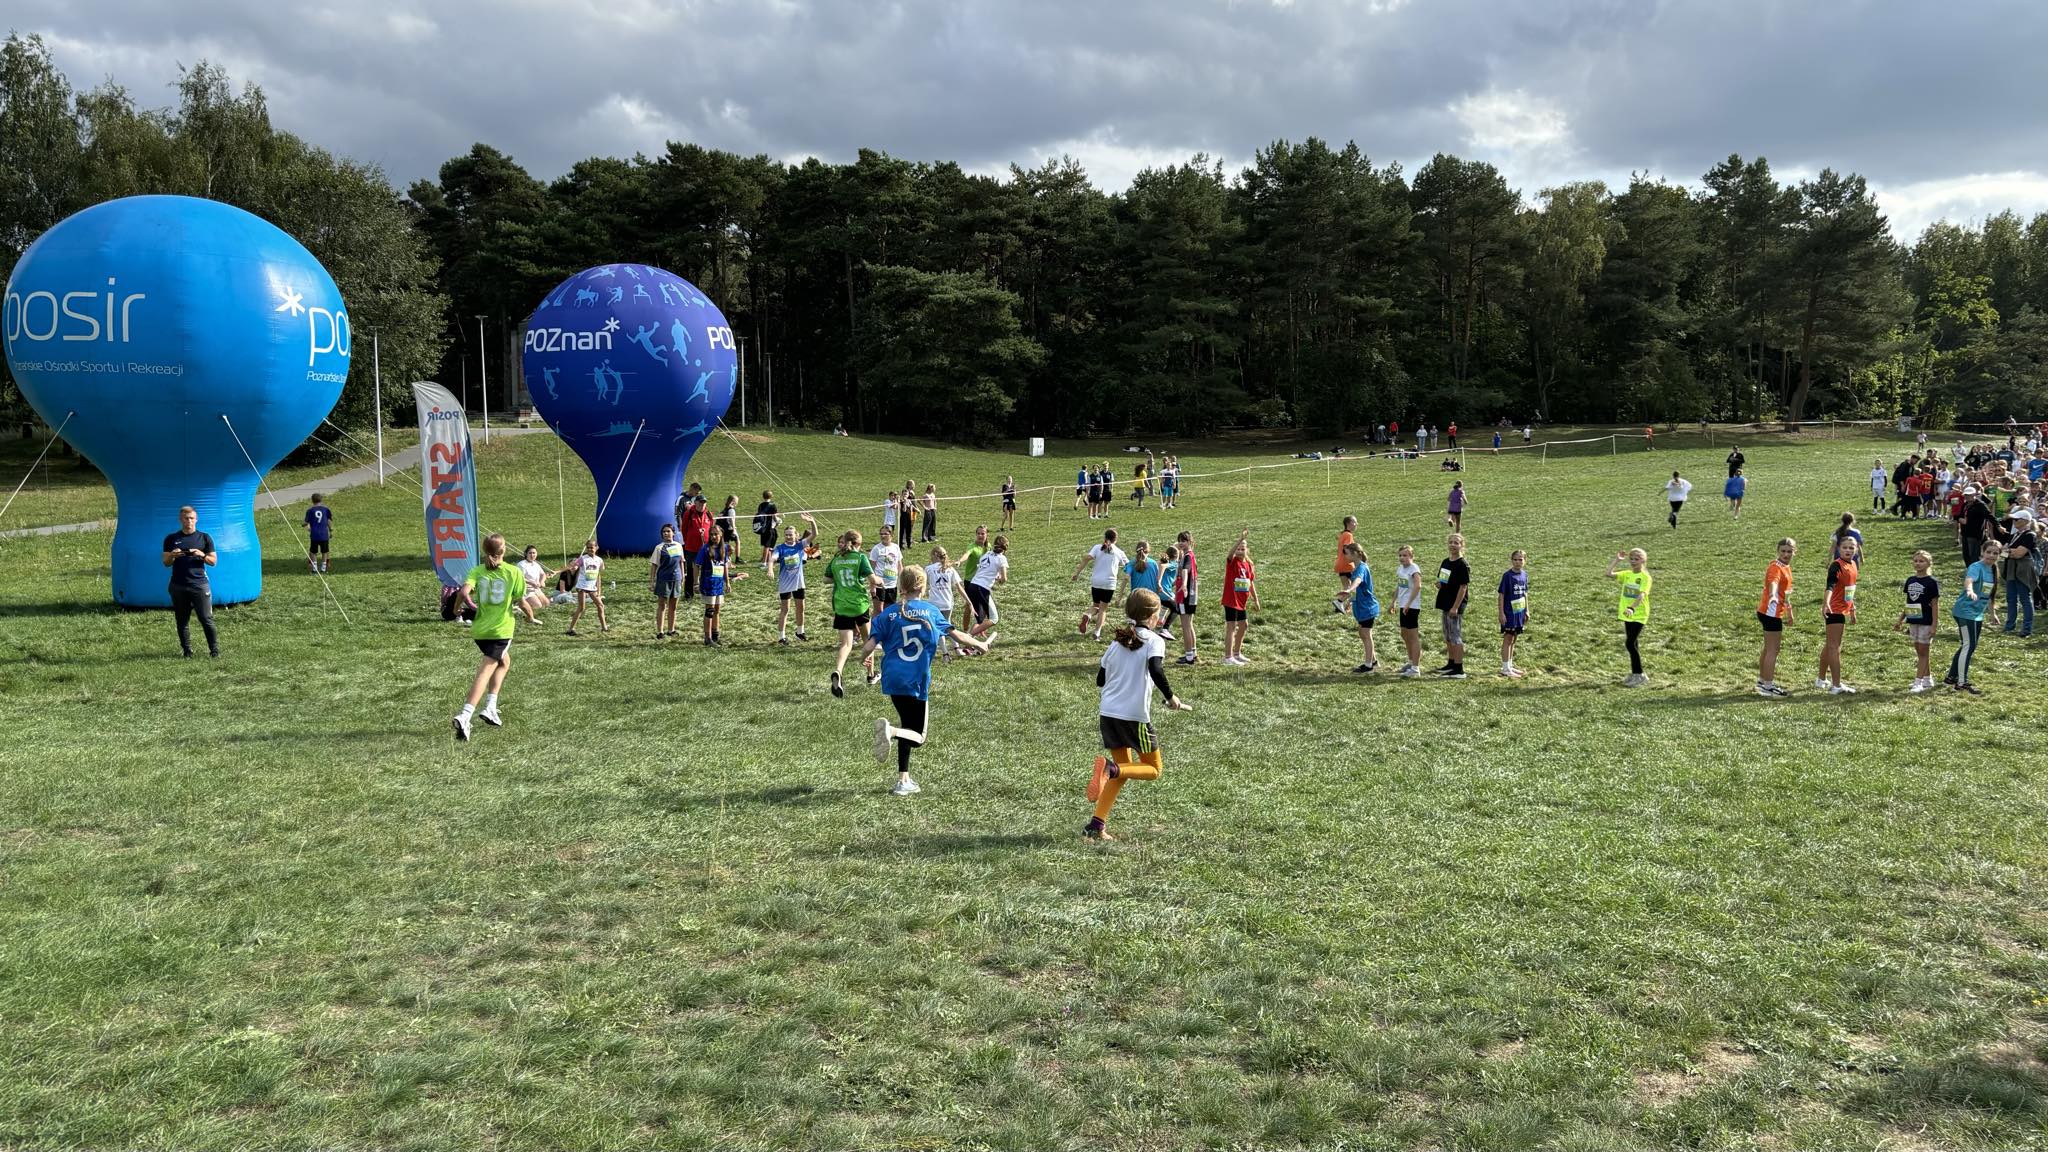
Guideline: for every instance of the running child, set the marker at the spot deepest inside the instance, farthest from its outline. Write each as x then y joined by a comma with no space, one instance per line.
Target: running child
906,638
1514,610
1240,596
1344,564
1453,587
1634,607
493,590
1675,492
1737,486
790,557
589,586
1454,512
1009,502
1102,562
1774,611
665,580
991,569
1134,664
1923,592
715,562
1408,602
319,524
852,578
886,559
1840,609
1365,607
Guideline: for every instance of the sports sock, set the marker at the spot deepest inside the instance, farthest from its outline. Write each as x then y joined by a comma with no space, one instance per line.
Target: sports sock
490,701
1110,788
468,710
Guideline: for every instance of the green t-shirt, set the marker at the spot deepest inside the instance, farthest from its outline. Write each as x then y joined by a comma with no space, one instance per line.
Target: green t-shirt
1635,595
972,561
849,572
497,591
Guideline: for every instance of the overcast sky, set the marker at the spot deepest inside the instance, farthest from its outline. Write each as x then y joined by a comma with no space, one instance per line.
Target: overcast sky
1940,105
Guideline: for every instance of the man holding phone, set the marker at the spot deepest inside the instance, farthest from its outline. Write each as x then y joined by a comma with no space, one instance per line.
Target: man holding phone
188,553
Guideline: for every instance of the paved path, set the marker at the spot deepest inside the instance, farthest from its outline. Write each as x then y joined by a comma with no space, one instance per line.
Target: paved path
279,497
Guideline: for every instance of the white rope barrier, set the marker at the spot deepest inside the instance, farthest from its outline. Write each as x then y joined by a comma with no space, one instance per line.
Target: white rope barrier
289,526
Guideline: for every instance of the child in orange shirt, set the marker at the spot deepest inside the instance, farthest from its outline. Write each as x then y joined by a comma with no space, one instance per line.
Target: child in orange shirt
1840,607
1774,611
1344,564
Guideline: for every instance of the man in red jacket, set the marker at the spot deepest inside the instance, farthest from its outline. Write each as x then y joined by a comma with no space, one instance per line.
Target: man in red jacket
697,529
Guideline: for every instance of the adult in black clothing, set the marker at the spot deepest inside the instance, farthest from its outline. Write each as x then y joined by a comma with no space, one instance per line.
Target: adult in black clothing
767,522
1977,520
1906,468
188,553
1735,459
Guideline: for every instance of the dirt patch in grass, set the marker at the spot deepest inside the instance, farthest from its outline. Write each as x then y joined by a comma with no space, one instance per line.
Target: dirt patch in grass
1505,1051
1717,1064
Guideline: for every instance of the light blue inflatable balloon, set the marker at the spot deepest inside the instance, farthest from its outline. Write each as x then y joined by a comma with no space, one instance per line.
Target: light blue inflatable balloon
633,368
148,320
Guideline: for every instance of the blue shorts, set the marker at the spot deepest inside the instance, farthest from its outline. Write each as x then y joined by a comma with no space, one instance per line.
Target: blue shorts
668,587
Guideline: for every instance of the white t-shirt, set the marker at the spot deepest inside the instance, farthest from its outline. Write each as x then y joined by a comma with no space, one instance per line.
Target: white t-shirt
1408,586
885,559
1677,490
1877,479
535,575
1126,689
1109,560
889,513
988,568
938,585
588,572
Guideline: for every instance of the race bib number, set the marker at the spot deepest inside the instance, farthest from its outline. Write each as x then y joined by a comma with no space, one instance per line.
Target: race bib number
1443,575
1241,584
1849,593
791,563
1519,604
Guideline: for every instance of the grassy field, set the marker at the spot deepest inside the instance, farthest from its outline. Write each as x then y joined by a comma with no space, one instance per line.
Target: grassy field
267,902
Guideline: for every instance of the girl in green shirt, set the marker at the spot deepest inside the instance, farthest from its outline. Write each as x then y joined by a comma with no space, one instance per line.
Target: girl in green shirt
1634,608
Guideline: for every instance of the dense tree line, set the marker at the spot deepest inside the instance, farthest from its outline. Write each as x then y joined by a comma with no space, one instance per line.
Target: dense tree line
1314,289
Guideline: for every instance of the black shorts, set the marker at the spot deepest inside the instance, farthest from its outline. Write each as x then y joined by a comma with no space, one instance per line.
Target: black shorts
1081,491
978,600
319,546
848,623
797,595
1511,631
1186,607
1009,503
1120,733
1770,623
1837,617
886,596
1366,623
1411,618
1101,595
494,649
1233,615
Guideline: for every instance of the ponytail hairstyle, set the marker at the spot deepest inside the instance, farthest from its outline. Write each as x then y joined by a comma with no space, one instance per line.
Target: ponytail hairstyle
1000,545
1140,609
912,580
494,549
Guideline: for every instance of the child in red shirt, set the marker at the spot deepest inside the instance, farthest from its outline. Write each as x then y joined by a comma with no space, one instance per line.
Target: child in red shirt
1240,590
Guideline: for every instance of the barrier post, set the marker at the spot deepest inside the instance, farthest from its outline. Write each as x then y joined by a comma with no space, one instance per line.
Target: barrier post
1546,452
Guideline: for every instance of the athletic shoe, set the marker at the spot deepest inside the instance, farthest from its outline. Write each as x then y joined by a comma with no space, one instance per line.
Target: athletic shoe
800,635
1843,690
1823,685
1185,658
1337,605
905,787
1096,778
838,689
490,716
874,678
1364,668
1455,674
1511,672
1410,672
1919,686
1083,625
1772,689
1444,671
881,740
462,728
782,640
1095,831
1966,686
570,632
1634,680
1949,679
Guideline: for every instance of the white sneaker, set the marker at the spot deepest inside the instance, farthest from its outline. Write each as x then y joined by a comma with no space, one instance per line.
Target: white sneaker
1843,690
1409,672
881,740
490,716
1823,685
1921,686
462,728
905,787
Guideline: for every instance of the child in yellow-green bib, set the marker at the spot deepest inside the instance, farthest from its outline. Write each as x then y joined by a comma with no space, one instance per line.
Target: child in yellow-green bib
1634,607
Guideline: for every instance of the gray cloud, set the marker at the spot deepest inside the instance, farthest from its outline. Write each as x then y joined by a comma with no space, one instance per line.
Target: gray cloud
1910,94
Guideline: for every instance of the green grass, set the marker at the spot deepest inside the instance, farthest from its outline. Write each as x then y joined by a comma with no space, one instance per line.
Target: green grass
268,902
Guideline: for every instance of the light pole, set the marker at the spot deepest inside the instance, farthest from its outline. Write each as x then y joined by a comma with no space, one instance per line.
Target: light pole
743,381
483,376
377,402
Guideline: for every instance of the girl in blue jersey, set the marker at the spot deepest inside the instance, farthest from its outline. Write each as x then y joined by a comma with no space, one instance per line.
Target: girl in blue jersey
1969,612
907,636
788,560
1143,571
1514,610
1365,607
714,560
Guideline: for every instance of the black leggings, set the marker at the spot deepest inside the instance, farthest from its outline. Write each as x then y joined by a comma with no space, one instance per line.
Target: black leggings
910,716
186,601
931,526
1633,630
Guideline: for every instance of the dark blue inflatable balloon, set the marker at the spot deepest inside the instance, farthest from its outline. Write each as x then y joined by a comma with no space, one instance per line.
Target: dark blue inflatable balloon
623,348
151,318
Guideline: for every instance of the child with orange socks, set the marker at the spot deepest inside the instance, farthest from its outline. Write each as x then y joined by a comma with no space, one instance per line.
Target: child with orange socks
1134,664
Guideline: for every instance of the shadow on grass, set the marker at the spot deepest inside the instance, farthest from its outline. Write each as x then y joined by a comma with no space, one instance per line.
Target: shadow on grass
943,844
344,565
70,608
2007,1080
780,796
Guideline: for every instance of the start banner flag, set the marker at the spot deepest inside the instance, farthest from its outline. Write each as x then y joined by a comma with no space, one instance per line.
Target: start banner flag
447,483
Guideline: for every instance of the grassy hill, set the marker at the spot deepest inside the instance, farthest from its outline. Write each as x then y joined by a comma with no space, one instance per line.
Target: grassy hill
267,901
